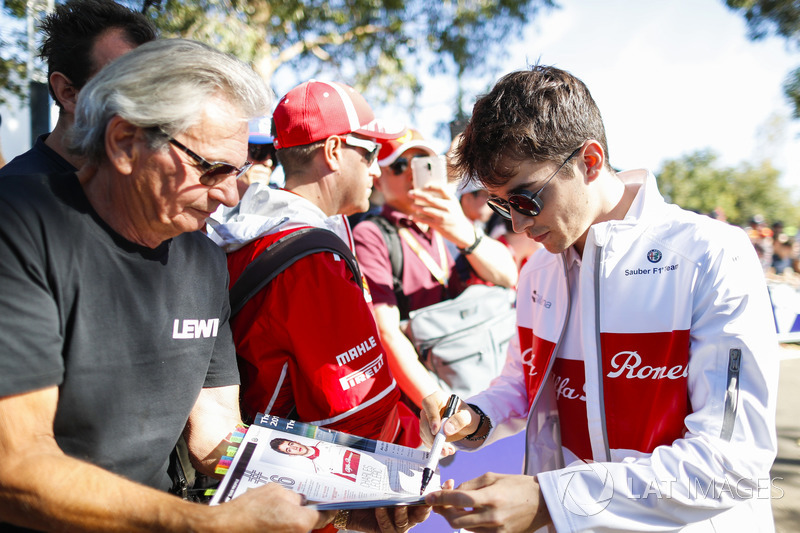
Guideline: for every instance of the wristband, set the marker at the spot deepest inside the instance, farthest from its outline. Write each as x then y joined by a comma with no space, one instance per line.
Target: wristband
340,521
484,418
471,248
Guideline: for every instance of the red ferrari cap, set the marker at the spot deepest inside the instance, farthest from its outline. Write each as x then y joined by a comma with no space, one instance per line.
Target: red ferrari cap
315,110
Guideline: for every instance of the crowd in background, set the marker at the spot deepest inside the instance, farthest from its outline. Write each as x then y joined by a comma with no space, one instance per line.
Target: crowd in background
777,248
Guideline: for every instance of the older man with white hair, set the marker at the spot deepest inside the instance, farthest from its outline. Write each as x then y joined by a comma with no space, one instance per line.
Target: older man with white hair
114,336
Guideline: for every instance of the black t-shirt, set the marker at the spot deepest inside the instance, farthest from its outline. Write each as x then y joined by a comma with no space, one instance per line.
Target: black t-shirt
128,333
41,159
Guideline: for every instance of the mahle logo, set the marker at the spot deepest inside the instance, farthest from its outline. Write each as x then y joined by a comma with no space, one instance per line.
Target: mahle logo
586,489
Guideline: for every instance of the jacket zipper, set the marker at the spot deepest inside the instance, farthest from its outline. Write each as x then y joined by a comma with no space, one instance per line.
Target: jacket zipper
731,394
597,253
547,370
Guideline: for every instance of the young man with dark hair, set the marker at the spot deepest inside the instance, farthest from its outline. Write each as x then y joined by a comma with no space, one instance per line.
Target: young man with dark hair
326,458
80,38
644,369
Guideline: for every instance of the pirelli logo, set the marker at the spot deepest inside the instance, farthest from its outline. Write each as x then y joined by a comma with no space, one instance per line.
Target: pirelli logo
363,374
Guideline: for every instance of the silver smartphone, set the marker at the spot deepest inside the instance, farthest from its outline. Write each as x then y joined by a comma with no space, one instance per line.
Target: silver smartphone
428,169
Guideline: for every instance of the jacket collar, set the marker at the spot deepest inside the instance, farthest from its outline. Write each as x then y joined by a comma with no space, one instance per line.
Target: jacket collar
264,211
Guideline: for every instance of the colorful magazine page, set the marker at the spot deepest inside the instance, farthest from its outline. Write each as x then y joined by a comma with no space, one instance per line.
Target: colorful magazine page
324,465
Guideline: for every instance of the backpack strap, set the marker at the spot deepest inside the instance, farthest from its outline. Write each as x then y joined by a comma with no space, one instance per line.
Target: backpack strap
392,239
282,254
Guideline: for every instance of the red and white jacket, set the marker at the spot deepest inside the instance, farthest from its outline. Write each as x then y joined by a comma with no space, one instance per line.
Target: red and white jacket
680,365
308,341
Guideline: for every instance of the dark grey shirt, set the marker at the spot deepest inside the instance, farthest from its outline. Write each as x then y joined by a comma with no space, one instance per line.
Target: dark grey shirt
41,159
129,334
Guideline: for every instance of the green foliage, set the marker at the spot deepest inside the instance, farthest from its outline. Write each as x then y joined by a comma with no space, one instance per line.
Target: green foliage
13,64
697,183
779,17
12,72
381,47
763,17
791,88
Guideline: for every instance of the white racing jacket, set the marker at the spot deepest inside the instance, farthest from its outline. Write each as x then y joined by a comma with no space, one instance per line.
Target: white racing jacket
681,368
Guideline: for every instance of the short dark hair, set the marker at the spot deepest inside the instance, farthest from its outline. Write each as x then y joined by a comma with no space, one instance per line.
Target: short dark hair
295,158
540,114
276,443
71,30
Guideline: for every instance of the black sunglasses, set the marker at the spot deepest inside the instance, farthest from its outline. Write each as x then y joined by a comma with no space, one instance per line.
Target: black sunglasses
401,164
525,202
262,153
213,172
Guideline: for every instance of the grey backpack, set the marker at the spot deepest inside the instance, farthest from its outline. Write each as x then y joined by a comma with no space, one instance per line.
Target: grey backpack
461,341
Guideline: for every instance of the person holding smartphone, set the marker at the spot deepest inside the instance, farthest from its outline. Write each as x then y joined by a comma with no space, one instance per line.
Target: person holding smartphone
425,214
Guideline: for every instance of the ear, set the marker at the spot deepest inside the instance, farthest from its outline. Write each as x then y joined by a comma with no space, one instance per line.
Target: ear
332,151
594,159
64,91
122,144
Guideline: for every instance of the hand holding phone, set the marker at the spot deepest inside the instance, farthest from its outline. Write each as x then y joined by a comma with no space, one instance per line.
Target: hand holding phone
428,169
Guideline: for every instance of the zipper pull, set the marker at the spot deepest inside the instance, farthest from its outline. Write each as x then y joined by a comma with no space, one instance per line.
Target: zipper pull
735,359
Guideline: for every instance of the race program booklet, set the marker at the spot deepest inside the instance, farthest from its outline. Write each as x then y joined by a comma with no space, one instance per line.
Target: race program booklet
333,470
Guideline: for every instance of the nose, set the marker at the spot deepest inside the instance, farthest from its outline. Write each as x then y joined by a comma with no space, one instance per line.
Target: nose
226,192
375,169
520,222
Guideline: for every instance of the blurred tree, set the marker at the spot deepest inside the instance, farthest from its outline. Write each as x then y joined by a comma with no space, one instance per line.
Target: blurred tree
696,183
13,51
781,17
381,47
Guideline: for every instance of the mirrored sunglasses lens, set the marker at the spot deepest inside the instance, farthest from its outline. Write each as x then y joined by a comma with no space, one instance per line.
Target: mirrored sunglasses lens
524,205
499,208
